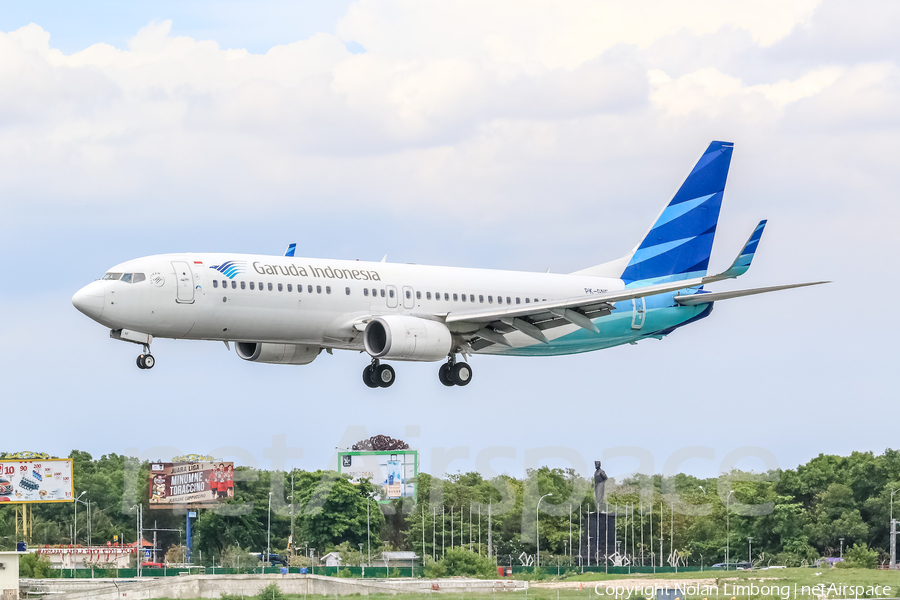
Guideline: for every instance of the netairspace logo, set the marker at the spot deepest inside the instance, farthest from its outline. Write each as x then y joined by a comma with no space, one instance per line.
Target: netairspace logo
231,268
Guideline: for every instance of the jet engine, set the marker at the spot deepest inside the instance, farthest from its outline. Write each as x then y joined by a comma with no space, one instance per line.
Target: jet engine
277,354
401,337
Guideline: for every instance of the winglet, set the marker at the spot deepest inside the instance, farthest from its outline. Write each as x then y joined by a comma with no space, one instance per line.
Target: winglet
290,250
742,263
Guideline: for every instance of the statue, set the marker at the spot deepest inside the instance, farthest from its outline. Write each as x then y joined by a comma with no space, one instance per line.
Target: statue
599,484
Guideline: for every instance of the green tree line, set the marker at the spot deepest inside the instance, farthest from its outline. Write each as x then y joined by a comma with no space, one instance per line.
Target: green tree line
793,515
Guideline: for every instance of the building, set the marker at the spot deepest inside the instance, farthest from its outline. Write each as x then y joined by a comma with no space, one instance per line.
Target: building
9,575
332,559
398,559
85,557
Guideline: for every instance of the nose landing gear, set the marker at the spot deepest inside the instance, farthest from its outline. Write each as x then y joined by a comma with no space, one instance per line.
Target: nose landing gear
146,360
378,375
455,373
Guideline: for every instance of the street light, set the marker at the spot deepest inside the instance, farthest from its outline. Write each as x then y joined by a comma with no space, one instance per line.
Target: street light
269,529
537,528
727,529
75,532
893,532
750,550
842,547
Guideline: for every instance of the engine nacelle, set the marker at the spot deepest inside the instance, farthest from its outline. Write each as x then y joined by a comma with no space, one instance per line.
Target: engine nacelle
400,337
277,354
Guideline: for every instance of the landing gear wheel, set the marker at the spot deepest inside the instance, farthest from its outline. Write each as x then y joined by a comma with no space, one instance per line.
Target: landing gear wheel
384,376
461,374
444,375
369,377
140,362
149,361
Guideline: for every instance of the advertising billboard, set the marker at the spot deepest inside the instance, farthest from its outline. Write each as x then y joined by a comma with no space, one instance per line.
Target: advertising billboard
190,483
392,470
42,480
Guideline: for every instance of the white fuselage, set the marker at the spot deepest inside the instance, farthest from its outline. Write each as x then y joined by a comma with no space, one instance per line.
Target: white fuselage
309,301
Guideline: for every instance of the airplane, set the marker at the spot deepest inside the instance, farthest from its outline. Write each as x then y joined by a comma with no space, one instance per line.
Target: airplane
287,310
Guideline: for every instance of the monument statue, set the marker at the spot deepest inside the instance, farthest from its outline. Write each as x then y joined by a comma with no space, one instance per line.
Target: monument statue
599,484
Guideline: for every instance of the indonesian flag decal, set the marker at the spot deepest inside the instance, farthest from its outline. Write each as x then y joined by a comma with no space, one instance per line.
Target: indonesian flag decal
198,262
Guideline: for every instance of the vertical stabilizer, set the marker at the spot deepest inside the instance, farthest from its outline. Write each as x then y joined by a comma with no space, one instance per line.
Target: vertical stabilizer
679,244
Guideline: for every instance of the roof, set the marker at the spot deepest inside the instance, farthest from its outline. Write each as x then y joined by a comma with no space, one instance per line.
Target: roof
398,555
337,554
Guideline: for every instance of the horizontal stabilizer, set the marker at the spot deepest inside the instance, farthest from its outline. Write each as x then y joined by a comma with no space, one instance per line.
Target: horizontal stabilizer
716,296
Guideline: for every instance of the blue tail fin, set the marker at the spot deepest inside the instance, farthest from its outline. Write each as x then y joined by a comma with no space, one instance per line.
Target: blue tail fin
679,244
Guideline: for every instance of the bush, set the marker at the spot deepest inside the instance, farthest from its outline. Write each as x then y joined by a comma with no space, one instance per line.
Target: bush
459,562
37,566
271,592
860,556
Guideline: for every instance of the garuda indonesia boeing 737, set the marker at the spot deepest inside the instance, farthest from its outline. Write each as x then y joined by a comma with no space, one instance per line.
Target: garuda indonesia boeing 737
286,310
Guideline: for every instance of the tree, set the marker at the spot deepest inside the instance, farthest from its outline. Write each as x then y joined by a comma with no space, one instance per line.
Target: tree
861,556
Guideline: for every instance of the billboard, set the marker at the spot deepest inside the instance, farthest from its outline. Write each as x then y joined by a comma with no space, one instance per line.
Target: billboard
41,480
392,470
190,483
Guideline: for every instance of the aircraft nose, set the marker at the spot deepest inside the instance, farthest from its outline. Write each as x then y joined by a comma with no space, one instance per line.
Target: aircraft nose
89,299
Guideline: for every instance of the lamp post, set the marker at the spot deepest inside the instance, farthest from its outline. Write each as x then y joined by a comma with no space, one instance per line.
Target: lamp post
75,532
727,529
842,547
893,531
750,550
537,529
269,528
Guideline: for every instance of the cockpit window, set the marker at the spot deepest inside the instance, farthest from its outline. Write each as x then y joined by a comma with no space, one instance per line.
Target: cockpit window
138,277
126,278
112,276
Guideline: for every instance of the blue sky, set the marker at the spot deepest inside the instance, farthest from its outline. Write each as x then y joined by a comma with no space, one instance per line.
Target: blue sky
469,134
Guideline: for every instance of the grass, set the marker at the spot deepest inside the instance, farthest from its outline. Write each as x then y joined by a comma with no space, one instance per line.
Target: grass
788,584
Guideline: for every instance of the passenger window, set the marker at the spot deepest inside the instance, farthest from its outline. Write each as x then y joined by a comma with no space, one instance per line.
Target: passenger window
215,283
527,300
471,297
382,293
126,278
518,300
224,285
327,289
365,291
347,291
455,298
428,295
463,297
499,299
391,292
481,298
270,287
318,289
508,300
490,299
233,284
261,286
309,289
408,294
251,285
243,285
112,276
290,289
138,277
446,296
280,288
418,295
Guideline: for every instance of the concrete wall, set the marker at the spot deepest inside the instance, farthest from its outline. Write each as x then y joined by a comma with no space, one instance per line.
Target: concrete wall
9,575
213,586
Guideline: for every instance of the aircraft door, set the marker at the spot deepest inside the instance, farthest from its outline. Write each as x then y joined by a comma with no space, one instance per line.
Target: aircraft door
391,296
185,282
637,313
409,300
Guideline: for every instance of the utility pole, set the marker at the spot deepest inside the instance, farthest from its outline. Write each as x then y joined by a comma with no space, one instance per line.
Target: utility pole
842,547
490,531
727,530
292,514
750,550
893,564
537,529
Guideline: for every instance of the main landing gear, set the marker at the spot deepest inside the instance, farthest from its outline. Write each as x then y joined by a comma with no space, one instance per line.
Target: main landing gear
378,375
455,373
146,360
